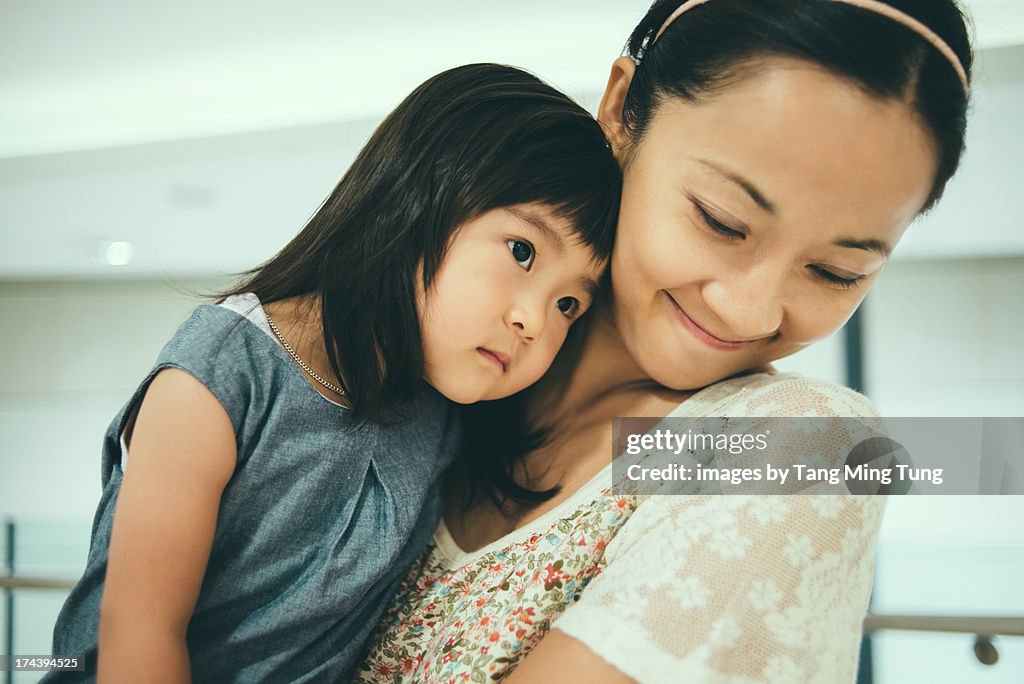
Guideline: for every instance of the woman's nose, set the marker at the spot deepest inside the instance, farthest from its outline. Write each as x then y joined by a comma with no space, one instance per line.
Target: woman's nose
749,303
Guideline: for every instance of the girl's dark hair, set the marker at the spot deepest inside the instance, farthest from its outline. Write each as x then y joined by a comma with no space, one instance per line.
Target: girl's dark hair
712,44
469,140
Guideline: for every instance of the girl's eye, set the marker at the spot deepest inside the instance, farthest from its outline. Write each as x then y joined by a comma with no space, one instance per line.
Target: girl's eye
522,252
833,279
719,227
569,306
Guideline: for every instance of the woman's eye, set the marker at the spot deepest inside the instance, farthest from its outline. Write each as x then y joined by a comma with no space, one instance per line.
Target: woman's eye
522,252
833,279
719,227
569,306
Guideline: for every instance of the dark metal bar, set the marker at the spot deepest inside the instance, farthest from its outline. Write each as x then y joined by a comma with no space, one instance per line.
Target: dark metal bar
853,347
9,596
866,662
853,338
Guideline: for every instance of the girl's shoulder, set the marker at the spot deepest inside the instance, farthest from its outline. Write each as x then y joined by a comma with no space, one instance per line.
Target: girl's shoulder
776,394
225,348
212,325
226,342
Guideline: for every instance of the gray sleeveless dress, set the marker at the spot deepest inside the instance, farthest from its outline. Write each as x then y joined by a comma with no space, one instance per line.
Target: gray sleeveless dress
319,522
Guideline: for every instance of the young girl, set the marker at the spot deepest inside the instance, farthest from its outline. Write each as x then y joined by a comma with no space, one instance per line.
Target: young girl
278,470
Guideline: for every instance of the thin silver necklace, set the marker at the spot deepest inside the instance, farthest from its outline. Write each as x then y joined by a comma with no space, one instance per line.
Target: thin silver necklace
302,364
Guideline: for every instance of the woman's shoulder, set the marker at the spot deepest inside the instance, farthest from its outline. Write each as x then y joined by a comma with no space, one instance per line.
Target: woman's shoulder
716,588
776,394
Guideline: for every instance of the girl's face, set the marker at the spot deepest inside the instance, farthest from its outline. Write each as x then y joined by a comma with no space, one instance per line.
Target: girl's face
512,282
753,223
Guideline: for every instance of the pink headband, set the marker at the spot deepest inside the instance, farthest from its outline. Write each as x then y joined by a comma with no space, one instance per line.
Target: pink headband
872,6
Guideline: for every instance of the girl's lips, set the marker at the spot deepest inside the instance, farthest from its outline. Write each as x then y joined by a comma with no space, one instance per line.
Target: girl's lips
497,358
702,334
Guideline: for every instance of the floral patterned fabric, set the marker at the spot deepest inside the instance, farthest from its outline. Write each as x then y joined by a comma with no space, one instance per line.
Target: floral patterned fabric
737,589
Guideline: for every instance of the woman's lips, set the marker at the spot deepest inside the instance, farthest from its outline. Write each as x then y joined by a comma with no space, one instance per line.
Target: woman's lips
497,358
702,334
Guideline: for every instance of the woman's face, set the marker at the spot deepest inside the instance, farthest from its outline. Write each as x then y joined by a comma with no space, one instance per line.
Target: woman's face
754,222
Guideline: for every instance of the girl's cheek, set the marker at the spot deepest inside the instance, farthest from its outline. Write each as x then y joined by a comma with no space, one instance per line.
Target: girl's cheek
550,343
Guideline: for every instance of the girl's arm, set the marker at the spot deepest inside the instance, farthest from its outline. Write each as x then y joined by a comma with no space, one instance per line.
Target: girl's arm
182,455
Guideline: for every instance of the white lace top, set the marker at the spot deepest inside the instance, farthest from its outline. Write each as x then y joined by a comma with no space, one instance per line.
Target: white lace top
730,589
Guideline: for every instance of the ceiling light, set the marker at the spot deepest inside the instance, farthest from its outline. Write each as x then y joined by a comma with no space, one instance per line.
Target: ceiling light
115,253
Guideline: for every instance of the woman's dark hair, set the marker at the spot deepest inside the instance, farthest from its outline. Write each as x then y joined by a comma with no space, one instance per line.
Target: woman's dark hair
714,44
709,46
469,140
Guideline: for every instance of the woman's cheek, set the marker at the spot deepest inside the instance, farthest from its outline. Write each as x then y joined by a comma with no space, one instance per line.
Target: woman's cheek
540,358
639,261
818,313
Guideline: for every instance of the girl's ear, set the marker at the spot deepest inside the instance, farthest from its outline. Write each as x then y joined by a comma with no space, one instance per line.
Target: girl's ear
609,112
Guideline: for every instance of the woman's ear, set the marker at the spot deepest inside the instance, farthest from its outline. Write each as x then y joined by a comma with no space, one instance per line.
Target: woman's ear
609,112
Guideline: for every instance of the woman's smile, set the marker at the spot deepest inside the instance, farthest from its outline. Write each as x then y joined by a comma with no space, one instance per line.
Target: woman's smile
700,333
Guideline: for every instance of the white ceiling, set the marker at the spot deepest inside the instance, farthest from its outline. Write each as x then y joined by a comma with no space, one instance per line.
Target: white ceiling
206,132
83,75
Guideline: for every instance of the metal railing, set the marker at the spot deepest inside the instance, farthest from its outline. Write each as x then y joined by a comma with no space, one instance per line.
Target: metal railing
35,583
984,629
874,622
992,626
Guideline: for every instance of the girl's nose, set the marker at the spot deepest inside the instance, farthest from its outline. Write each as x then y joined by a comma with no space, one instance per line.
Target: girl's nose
527,319
748,303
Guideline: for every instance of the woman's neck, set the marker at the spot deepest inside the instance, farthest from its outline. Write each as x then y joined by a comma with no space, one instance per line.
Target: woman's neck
602,369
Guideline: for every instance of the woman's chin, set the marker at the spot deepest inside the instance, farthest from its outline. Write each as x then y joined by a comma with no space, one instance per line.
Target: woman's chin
683,377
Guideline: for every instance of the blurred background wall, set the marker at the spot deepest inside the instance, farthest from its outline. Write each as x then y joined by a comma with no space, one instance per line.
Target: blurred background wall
150,150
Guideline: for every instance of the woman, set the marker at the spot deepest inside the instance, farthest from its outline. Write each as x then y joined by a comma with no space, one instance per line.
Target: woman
773,152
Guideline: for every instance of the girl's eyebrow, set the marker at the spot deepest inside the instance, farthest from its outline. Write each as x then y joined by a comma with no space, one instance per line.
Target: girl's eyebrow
542,227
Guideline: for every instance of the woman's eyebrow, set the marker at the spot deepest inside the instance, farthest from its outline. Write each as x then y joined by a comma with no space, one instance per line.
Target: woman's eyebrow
739,180
542,227
877,246
589,286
